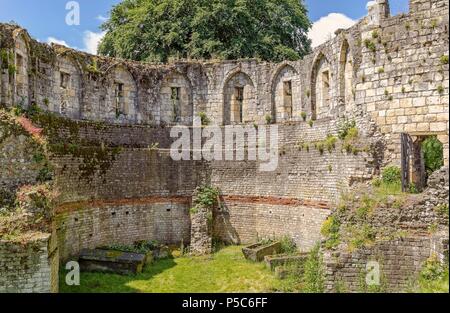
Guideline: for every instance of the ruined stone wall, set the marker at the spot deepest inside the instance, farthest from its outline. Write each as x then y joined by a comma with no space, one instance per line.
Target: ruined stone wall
244,220
388,71
29,267
400,262
94,224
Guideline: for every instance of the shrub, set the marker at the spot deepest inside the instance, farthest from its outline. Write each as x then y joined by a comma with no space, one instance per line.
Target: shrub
288,245
391,175
330,230
370,45
330,142
444,59
311,123
442,209
432,269
303,115
207,196
268,119
204,118
314,277
433,152
344,128
376,182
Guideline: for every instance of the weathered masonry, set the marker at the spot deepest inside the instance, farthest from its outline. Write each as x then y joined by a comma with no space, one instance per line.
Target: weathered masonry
117,182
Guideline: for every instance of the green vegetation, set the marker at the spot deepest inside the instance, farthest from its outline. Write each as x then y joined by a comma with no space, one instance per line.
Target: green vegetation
206,196
375,34
391,175
442,209
138,247
433,152
347,129
303,115
269,119
433,278
359,236
148,30
444,59
330,230
225,271
311,123
313,279
440,89
370,45
288,245
205,121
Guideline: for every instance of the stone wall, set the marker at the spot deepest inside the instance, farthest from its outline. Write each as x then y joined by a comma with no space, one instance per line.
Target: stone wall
245,220
387,73
386,70
29,267
94,224
400,262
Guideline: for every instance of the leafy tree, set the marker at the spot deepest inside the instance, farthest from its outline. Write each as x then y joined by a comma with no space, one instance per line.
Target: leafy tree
433,153
156,30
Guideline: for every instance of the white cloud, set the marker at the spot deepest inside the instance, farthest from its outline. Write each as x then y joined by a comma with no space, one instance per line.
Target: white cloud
91,41
51,40
102,18
324,28
370,3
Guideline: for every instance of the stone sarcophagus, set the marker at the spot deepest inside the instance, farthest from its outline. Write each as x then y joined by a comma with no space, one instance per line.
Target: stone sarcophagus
258,251
111,261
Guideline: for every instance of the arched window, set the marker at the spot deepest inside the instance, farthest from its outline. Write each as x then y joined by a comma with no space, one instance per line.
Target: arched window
239,99
176,99
122,96
320,88
284,93
67,88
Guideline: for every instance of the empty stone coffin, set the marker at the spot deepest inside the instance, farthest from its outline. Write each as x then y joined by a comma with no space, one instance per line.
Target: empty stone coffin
274,261
258,251
111,261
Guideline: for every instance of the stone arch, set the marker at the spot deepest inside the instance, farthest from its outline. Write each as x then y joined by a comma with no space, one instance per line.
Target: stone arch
282,92
121,95
239,98
67,88
176,99
19,78
346,76
320,87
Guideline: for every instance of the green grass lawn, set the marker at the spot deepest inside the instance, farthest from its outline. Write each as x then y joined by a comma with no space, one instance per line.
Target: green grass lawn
224,271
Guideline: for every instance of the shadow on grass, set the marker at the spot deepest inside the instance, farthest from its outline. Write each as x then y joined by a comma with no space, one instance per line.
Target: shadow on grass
98,282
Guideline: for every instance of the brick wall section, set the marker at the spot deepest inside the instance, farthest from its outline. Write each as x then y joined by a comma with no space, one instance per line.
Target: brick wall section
400,262
30,267
245,223
97,224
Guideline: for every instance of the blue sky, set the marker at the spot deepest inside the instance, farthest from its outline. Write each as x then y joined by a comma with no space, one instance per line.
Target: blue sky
45,19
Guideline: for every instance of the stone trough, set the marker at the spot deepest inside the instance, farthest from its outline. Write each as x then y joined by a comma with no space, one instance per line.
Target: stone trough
258,251
274,261
111,261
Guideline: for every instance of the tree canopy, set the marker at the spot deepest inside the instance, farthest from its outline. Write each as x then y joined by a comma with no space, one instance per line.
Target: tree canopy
158,30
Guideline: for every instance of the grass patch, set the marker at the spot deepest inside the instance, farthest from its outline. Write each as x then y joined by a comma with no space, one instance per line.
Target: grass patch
433,278
225,271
